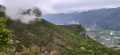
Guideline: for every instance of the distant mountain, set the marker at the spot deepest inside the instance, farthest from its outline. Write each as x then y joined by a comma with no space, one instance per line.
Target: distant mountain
105,18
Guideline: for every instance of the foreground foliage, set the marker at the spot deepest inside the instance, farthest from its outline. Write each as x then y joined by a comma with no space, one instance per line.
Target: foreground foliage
32,50
4,32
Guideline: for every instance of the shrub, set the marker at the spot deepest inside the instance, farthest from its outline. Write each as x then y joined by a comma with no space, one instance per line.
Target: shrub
4,32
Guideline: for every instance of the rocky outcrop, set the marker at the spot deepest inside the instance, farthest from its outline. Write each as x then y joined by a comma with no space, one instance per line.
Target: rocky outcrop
35,11
2,8
79,30
83,33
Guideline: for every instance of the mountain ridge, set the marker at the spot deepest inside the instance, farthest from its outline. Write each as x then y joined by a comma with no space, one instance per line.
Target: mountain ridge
100,17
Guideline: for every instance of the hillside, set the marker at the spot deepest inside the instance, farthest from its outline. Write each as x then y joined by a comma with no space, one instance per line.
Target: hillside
51,38
107,19
63,39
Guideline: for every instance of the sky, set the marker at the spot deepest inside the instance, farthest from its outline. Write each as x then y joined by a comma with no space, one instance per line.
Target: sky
62,6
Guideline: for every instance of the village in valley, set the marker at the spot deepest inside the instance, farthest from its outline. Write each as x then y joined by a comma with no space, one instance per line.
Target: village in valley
109,38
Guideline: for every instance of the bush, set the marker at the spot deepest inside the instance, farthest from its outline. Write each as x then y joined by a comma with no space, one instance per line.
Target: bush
4,32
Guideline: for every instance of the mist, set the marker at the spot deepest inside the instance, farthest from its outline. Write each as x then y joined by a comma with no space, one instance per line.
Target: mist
73,22
15,8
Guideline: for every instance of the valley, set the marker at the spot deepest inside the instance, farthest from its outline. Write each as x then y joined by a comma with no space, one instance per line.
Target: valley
109,38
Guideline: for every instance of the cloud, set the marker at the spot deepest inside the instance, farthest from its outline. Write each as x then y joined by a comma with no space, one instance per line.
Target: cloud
63,6
44,5
2,2
73,22
66,6
15,8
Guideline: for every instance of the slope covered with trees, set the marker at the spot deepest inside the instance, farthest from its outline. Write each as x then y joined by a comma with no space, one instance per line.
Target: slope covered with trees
43,37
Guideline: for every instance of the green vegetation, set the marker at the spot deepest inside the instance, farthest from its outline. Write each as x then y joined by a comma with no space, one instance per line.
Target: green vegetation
44,38
91,47
33,50
2,14
64,39
4,32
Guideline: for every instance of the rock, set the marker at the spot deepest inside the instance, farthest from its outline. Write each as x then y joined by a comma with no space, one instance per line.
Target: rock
14,41
83,33
35,11
82,48
54,53
2,8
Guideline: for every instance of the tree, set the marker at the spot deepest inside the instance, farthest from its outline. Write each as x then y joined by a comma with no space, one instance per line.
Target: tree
4,32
